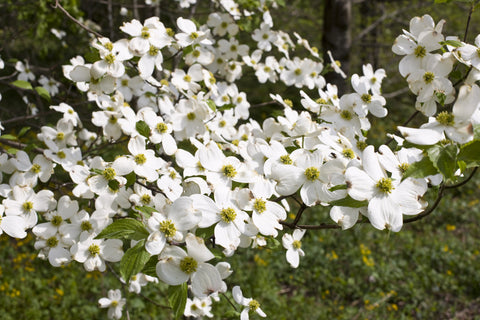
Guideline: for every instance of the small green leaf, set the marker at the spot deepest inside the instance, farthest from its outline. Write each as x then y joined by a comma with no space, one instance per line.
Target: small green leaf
126,228
134,260
441,98
42,92
22,84
420,169
444,158
150,268
349,202
470,153
131,178
212,105
476,132
338,187
143,128
462,165
114,185
147,211
177,297
8,137
453,43
23,131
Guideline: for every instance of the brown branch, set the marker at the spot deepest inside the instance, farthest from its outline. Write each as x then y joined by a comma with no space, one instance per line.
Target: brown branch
22,118
18,145
464,181
59,6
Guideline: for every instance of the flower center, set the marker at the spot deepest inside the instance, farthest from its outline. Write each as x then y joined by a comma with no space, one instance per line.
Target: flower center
145,199
420,52
403,167
297,244
229,171
228,215
345,114
253,305
428,77
27,206
162,127
56,221
348,153
445,118
188,265
260,205
191,116
285,159
140,159
36,168
367,98
94,250
109,174
385,185
86,226
145,33
110,58
193,35
168,228
312,173
153,51
52,242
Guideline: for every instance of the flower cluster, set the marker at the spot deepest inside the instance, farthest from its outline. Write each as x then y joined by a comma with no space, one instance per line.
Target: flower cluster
187,169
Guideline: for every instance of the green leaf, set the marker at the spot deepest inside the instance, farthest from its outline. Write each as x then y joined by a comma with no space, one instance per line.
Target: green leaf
444,158
453,43
212,105
42,92
114,185
177,297
147,211
23,131
420,169
126,228
143,128
338,187
134,260
462,165
349,202
131,178
150,268
470,153
22,84
476,132
8,137
441,98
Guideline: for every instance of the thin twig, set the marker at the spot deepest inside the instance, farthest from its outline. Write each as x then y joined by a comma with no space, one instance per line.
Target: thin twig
464,181
22,118
229,301
59,6
430,210
404,124
472,6
19,145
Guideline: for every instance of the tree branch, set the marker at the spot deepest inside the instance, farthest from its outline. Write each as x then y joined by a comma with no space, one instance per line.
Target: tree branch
59,6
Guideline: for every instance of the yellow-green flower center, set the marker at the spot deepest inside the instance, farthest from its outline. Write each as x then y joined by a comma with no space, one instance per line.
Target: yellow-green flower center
428,77
145,199
162,127
94,249
253,305
52,242
36,168
288,102
361,145
297,244
86,226
285,159
140,159
110,58
27,206
348,153
61,154
228,215
345,114
446,118
191,116
403,167
384,185
188,265
56,221
420,52
187,78
60,136
312,173
145,33
367,98
153,51
229,171
167,228
109,174
193,35
260,205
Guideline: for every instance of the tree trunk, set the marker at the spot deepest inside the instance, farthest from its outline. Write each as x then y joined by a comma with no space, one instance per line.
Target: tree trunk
337,38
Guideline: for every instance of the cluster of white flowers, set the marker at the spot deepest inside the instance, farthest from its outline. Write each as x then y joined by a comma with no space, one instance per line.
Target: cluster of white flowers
190,168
